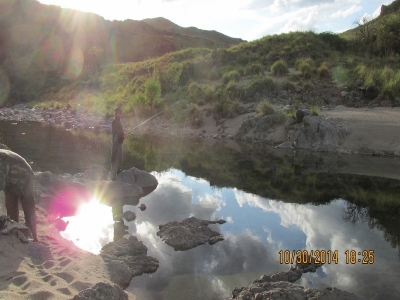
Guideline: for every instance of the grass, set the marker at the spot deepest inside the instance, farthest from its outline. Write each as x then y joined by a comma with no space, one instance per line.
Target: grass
195,115
279,68
323,70
231,76
305,66
314,110
265,108
340,75
255,69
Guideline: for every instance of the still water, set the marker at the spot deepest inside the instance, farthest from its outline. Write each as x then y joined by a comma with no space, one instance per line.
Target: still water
271,200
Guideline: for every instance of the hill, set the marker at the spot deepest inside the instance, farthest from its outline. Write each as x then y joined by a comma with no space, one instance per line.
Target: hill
164,24
42,45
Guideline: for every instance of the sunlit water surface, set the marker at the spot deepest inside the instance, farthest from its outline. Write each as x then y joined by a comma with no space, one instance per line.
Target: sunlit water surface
257,227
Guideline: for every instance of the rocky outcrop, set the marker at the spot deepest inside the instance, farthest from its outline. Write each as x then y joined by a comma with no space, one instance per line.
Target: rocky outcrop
189,233
102,291
314,133
126,259
280,286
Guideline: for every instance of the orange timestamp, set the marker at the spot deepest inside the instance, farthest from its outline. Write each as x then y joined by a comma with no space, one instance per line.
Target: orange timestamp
325,257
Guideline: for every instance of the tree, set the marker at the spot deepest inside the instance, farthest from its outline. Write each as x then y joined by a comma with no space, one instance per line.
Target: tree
388,37
366,32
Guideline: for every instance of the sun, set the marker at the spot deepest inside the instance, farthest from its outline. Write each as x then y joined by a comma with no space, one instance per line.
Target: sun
91,228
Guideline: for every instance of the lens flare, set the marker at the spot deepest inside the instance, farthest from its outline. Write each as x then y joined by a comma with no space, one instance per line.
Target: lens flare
91,228
4,86
74,63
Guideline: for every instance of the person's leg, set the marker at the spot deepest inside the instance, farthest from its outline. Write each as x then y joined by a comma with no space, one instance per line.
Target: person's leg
114,159
119,158
11,200
28,205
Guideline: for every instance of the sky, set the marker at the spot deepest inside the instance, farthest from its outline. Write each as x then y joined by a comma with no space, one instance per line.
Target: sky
246,19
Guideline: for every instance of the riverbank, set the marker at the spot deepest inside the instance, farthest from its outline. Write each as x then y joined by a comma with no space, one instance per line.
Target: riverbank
367,130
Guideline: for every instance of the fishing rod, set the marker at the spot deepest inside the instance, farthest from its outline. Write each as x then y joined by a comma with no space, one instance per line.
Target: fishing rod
145,121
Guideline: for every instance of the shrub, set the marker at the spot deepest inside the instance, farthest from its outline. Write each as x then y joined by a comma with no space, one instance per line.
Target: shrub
323,71
152,92
287,85
333,40
305,66
340,75
258,84
207,92
224,107
294,78
255,69
231,76
314,110
195,115
234,91
196,93
265,108
296,104
308,85
279,68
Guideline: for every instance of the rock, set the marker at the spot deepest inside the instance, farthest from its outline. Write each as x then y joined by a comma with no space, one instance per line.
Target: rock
397,153
189,233
378,153
280,286
145,180
285,145
289,122
241,109
130,253
142,207
300,114
344,94
2,146
372,92
359,82
129,216
102,291
315,134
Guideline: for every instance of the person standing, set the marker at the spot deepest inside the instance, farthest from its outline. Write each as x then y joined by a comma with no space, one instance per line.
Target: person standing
118,136
16,179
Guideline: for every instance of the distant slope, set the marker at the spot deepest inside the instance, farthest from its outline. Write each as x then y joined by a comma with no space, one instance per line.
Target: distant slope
43,44
386,10
167,25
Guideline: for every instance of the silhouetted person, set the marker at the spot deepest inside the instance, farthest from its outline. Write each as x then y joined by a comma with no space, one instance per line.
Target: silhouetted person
16,179
118,136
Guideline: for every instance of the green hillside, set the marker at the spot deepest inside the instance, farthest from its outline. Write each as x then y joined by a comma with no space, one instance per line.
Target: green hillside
57,62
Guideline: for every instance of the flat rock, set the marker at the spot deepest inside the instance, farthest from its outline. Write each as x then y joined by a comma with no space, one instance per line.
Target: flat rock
102,291
126,259
189,233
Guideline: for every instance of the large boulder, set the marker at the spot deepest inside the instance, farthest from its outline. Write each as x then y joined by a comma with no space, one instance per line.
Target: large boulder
144,179
189,233
316,134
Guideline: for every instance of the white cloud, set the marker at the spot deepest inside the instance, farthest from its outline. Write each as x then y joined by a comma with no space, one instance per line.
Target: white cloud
344,13
208,201
229,219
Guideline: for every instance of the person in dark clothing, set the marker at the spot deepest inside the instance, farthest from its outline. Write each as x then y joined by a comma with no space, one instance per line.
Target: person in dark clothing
16,179
118,136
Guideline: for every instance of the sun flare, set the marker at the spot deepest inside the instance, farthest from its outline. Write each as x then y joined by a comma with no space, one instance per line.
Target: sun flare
91,228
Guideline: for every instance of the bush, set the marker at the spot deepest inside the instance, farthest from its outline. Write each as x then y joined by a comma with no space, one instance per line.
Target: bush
296,104
231,76
196,93
255,69
323,71
265,108
308,85
234,91
333,40
152,92
258,84
224,107
287,85
279,68
340,75
207,92
195,115
314,110
305,66
294,78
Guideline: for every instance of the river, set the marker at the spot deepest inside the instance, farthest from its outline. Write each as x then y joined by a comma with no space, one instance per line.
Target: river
272,201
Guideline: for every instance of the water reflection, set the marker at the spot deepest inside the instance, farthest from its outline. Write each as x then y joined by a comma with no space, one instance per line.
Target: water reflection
271,200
